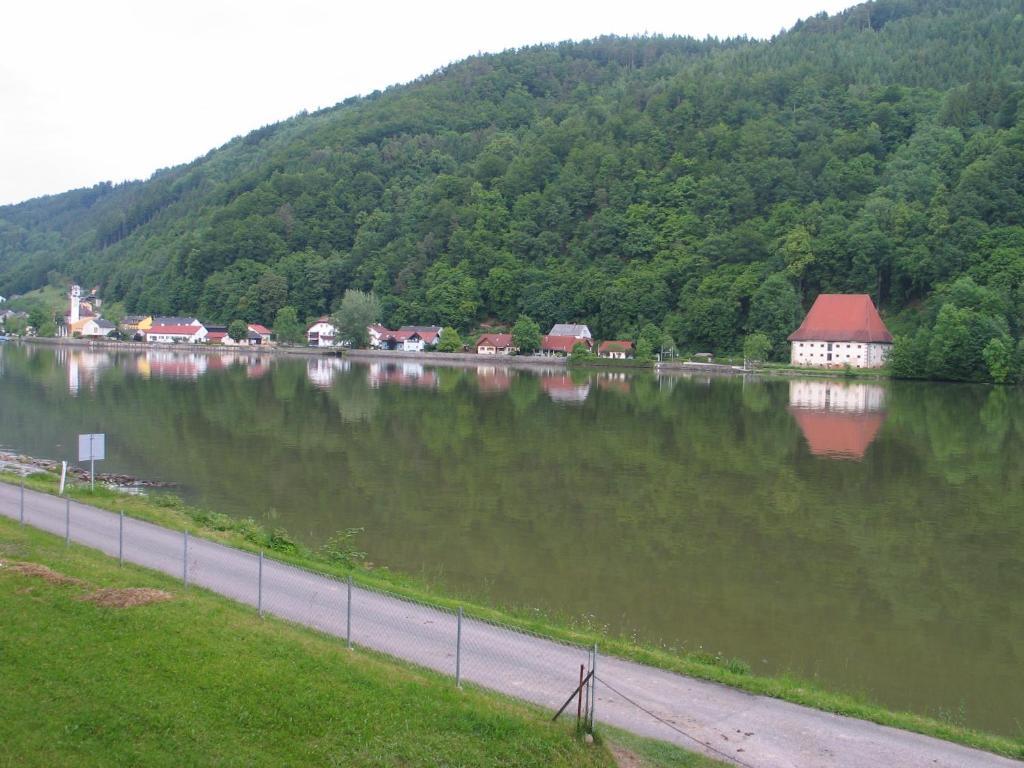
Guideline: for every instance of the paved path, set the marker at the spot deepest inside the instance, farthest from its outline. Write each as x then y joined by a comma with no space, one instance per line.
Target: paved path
753,730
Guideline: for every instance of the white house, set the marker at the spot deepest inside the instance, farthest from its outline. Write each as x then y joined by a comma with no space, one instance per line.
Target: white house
176,334
322,333
495,344
841,330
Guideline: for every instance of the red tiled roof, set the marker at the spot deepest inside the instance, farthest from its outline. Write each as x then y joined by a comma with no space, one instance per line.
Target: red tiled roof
843,317
498,340
838,435
216,335
615,346
561,343
262,330
168,330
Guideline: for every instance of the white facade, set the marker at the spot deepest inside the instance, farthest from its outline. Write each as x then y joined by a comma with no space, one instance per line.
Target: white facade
836,396
177,337
839,354
75,308
413,344
322,334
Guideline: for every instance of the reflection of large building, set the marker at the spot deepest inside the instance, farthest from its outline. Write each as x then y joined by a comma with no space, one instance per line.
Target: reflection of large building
403,374
838,419
83,367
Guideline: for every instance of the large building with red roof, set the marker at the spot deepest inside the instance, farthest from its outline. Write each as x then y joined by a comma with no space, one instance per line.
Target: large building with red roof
841,330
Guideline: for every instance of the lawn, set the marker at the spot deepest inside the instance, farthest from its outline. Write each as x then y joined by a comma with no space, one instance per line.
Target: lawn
191,678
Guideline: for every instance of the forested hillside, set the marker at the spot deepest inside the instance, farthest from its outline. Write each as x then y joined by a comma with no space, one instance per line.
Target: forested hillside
713,188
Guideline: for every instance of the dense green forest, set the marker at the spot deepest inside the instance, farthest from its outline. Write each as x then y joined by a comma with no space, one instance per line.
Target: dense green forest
712,188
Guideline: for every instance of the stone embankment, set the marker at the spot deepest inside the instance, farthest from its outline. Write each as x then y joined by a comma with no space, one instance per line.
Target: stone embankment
21,464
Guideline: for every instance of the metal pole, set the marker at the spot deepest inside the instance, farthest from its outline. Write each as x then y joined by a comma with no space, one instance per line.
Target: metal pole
21,512
259,589
348,617
593,689
67,521
120,539
184,576
92,469
458,650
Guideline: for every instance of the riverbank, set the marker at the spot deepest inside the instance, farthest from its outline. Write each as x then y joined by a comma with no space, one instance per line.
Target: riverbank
188,677
246,534
460,358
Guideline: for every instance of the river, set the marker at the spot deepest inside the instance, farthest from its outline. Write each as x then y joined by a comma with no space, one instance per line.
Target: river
868,536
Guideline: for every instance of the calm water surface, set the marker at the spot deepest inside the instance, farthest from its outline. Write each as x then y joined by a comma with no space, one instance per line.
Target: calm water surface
866,535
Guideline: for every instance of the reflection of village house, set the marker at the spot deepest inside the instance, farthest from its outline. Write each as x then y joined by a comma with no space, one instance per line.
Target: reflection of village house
841,330
403,374
495,344
839,420
83,368
172,365
493,378
562,389
321,370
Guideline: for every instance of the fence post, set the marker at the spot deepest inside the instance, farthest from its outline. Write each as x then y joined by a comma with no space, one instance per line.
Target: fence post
458,650
120,539
21,509
348,616
593,689
259,588
184,574
67,521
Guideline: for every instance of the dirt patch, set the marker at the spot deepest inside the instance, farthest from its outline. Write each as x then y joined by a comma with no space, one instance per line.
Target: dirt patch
127,598
624,758
42,572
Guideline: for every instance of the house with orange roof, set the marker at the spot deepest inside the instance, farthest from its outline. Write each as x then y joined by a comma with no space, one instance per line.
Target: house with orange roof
841,330
615,350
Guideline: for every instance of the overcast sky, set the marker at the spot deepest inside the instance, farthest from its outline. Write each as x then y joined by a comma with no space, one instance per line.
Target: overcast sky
114,90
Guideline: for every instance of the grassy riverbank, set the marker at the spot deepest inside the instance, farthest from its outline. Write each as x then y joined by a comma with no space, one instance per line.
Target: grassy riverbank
192,678
249,535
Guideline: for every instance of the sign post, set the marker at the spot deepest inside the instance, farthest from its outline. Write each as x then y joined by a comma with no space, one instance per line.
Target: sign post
92,448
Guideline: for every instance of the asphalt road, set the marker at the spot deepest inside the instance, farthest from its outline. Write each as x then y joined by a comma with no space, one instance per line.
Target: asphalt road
752,730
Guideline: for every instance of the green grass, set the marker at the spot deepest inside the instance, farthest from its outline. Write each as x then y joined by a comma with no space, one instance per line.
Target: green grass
247,534
53,300
201,680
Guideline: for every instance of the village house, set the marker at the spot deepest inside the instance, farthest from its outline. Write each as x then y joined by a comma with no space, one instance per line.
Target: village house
259,335
841,330
376,334
135,326
561,346
216,334
91,327
408,338
615,350
322,333
495,344
176,334
175,321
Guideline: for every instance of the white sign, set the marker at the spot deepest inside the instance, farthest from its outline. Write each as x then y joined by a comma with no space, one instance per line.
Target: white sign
92,447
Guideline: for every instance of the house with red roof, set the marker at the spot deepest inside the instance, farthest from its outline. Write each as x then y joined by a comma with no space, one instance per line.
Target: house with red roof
322,333
615,350
495,344
841,330
176,334
561,346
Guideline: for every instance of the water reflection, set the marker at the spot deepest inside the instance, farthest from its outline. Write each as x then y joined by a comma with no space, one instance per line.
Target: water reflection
83,367
839,420
403,374
562,388
321,371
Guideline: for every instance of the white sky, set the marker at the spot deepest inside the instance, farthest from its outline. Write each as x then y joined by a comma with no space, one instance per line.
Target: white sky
94,90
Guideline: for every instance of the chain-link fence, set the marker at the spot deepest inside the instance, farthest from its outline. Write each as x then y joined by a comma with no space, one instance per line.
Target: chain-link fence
527,666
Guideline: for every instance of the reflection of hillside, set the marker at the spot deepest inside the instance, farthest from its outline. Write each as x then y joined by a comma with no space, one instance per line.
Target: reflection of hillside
838,420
